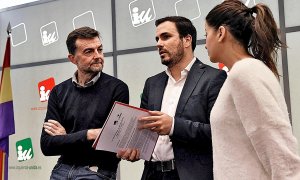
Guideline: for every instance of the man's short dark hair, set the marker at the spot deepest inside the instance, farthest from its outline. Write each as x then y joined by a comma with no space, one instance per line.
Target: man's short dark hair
184,27
80,33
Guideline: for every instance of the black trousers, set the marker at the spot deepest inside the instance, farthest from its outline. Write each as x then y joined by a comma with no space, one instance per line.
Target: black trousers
151,172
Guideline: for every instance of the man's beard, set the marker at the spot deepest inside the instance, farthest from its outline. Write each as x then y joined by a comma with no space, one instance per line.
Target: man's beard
93,70
176,57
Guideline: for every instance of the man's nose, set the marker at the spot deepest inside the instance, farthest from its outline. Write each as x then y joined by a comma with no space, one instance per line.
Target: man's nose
159,43
98,54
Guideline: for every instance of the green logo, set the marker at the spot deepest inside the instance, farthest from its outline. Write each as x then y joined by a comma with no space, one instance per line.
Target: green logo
24,149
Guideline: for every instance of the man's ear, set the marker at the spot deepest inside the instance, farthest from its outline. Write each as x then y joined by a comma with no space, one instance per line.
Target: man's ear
222,32
187,40
71,57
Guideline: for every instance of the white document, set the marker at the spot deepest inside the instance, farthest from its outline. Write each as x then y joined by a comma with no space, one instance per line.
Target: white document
121,131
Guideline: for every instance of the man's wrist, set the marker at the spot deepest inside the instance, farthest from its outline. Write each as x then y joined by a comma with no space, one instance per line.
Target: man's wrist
88,134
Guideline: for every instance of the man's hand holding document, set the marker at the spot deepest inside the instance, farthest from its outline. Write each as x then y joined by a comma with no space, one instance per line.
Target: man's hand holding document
120,131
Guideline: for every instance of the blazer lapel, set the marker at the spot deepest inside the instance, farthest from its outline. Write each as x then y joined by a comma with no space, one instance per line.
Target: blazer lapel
159,91
192,80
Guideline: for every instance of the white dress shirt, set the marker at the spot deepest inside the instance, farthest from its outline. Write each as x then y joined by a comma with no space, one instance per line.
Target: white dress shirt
163,150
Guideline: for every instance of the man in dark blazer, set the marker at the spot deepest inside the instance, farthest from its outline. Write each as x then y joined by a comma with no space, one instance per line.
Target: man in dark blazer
180,100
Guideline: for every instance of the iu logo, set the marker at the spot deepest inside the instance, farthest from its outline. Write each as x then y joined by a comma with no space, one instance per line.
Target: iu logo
49,33
24,150
45,88
141,12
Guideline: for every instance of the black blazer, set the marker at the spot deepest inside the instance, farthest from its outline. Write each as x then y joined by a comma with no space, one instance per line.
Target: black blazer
191,138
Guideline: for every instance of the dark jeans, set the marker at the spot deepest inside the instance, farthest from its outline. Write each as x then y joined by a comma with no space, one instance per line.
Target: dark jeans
69,172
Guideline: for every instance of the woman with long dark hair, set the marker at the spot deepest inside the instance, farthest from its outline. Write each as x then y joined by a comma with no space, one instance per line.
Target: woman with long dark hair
251,132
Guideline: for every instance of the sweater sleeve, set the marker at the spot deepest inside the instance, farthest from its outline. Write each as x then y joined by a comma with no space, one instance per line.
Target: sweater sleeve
261,108
57,145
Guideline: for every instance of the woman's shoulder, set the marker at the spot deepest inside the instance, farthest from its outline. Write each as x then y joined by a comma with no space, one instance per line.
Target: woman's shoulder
252,72
250,68
248,64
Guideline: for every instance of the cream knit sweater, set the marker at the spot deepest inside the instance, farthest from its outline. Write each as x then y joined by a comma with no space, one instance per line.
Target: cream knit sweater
251,132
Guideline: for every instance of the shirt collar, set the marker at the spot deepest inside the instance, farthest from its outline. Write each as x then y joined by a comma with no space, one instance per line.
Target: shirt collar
185,71
88,84
189,66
